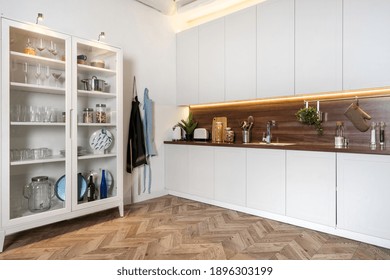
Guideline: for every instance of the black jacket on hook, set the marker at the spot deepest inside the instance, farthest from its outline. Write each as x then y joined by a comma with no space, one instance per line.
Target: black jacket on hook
136,152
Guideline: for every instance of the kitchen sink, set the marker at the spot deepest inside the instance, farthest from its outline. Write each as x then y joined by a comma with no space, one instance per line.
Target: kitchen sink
273,144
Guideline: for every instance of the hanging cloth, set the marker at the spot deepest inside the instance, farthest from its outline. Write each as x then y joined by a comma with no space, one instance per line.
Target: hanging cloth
136,151
149,137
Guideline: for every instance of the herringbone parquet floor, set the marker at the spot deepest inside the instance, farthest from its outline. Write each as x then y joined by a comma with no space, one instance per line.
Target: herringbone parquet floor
175,228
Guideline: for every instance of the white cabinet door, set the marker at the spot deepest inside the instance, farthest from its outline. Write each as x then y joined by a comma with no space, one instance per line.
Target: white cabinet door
366,44
187,67
266,180
363,194
201,171
240,47
311,186
212,61
275,48
318,46
176,168
230,175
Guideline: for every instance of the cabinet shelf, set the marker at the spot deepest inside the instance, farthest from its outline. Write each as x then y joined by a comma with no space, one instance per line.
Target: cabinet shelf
96,156
37,124
86,69
53,63
38,161
87,93
96,124
36,88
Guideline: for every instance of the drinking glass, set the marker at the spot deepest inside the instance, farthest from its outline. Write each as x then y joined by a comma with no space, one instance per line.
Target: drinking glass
56,76
53,48
40,46
25,71
47,74
38,74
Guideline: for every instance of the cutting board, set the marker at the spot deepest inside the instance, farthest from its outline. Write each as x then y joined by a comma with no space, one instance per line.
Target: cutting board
224,125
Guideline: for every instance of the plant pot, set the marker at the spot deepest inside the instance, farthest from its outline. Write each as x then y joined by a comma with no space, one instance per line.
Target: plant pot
189,137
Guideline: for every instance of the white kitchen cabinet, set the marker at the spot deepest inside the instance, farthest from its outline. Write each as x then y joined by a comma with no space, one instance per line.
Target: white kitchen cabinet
318,46
176,168
187,69
212,61
201,174
240,48
311,186
230,175
266,180
366,45
275,48
39,111
363,194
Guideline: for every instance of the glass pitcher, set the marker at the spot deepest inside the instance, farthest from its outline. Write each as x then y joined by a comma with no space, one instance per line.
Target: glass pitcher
39,194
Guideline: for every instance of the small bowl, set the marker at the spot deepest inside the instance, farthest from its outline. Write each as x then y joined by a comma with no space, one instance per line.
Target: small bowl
98,63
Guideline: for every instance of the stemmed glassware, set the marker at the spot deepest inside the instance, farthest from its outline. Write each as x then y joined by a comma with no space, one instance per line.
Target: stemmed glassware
40,46
25,71
53,49
38,74
56,76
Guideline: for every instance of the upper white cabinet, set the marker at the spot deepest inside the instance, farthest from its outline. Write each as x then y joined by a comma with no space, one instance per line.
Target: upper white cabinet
363,194
187,59
230,175
212,61
366,56
275,48
266,180
318,46
240,48
311,186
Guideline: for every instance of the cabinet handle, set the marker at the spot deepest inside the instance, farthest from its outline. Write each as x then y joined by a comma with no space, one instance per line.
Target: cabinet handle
70,123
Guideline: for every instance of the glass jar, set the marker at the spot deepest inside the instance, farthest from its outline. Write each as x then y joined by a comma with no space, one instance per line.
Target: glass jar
229,135
39,194
88,115
218,132
100,114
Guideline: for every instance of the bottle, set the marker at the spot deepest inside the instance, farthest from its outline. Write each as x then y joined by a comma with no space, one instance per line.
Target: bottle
218,132
339,135
91,189
373,136
382,134
103,186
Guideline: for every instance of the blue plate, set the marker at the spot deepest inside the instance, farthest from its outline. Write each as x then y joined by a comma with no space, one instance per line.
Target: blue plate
61,183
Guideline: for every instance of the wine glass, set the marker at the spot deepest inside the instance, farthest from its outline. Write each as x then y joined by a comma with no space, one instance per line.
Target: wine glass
56,76
53,48
40,46
47,74
38,74
25,71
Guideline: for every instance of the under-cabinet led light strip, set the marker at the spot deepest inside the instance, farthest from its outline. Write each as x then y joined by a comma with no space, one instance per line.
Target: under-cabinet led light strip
377,92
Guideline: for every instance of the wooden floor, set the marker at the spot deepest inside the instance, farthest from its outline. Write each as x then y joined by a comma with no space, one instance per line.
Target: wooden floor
174,228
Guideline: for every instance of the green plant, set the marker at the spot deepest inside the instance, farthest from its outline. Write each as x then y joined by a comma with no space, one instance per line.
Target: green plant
188,126
309,116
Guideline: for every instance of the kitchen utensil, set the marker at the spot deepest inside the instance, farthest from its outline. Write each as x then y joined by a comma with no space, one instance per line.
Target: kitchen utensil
98,63
39,194
94,84
201,134
224,125
60,187
101,140
250,122
176,134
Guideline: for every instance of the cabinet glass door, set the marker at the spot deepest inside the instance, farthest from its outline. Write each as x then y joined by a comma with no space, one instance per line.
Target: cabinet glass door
35,126
97,82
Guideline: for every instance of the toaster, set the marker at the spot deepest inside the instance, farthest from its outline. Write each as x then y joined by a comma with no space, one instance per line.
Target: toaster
201,134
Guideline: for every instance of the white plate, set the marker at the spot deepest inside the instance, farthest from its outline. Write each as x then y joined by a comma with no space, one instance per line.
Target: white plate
100,140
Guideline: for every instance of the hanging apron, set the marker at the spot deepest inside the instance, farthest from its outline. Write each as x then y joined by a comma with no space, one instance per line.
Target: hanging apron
136,152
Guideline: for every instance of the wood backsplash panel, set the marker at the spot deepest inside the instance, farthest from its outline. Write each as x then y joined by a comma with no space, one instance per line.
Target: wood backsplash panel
288,129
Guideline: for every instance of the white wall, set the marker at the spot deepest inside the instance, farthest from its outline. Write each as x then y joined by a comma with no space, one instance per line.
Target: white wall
149,48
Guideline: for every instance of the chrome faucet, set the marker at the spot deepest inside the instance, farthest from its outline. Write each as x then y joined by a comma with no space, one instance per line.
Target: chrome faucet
267,136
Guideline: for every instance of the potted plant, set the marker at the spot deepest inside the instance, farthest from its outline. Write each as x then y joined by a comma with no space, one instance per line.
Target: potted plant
309,116
188,126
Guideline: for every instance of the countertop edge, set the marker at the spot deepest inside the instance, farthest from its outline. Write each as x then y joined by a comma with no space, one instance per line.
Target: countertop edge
297,147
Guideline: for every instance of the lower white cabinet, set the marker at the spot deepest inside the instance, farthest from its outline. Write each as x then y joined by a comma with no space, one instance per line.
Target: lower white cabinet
311,186
230,175
363,194
176,168
266,180
201,171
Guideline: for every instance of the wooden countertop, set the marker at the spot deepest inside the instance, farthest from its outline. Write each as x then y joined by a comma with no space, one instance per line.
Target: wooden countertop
295,146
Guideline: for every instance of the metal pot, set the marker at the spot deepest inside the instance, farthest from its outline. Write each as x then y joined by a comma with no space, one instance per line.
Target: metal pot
94,84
